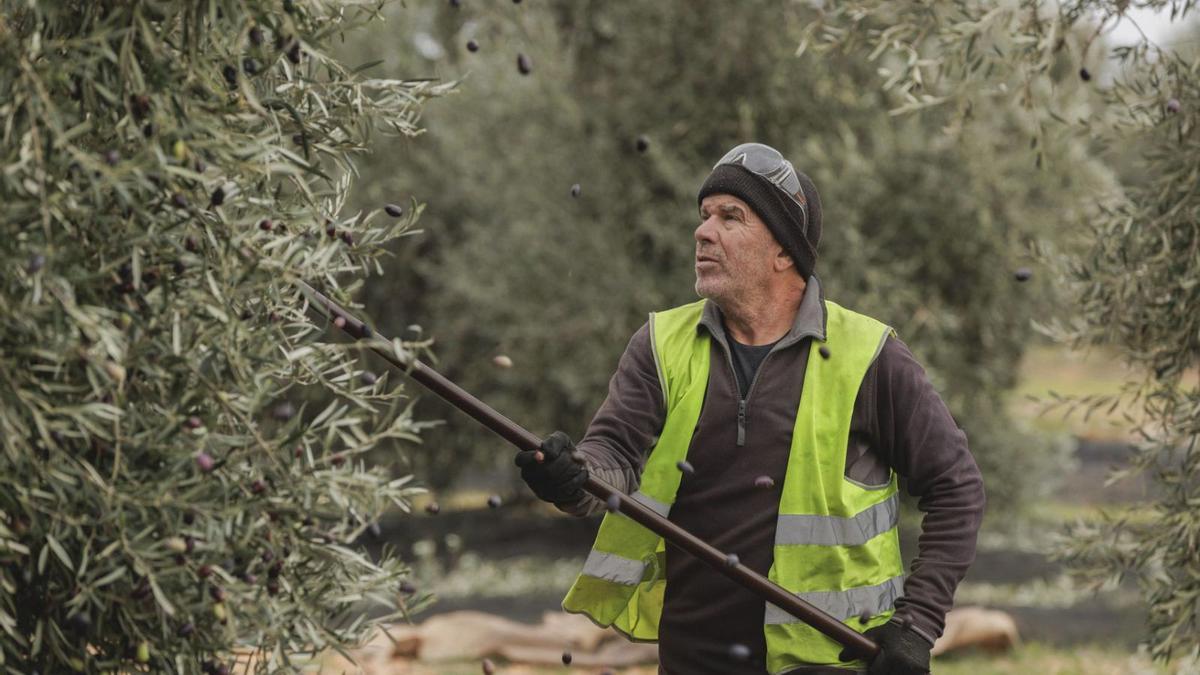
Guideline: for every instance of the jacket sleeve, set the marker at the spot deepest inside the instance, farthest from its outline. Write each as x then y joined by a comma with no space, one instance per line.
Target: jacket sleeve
920,440
625,427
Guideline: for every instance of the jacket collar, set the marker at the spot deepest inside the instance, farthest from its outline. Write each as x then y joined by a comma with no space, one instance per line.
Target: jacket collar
809,322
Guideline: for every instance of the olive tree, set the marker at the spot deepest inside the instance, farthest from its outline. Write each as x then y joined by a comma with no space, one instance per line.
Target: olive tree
1130,270
168,499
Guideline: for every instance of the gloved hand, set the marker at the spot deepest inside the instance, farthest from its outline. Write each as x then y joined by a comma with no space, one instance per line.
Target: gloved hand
559,477
901,651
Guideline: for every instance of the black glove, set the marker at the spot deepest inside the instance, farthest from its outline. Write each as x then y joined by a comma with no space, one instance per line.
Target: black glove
901,651
559,477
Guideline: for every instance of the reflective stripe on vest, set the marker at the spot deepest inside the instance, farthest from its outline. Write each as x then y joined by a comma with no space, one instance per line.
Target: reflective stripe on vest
837,531
850,603
614,568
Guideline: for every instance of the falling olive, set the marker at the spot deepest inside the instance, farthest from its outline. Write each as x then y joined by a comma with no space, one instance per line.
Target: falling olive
433,508
293,53
265,224
566,656
1084,74
613,503
502,361
394,210
494,501
739,652
685,467
764,482
576,190
368,377
642,143
524,65
1022,274
489,668
339,321
284,411
732,560
1173,105
472,46
824,352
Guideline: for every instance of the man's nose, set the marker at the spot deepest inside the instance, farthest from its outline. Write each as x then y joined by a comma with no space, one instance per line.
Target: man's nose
704,231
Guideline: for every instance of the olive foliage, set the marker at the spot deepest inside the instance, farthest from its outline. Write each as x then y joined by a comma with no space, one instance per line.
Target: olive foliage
167,501
1131,273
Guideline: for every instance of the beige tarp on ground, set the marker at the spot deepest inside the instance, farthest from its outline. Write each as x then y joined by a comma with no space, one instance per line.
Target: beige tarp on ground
473,636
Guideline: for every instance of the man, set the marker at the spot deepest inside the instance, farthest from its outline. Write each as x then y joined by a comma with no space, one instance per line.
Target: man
773,425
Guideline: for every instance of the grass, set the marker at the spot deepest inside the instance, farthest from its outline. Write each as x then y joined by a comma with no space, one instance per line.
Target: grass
1047,660
1026,659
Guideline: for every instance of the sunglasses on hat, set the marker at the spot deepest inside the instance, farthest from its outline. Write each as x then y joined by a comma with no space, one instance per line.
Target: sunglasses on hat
767,162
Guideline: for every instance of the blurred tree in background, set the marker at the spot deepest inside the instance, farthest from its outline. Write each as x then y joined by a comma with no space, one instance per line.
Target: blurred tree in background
170,169
924,224
1133,274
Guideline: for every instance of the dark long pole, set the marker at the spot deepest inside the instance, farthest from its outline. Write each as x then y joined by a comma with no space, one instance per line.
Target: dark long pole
636,511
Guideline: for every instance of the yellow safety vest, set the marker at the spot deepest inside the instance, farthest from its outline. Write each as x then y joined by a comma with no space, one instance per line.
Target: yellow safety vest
836,542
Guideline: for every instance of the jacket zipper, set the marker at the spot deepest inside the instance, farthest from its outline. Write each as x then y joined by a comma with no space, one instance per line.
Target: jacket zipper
742,404
741,418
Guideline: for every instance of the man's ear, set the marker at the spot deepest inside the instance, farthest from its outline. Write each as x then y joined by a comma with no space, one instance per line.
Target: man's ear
782,260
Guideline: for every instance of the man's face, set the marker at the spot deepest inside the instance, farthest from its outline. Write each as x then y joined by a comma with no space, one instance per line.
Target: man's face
734,249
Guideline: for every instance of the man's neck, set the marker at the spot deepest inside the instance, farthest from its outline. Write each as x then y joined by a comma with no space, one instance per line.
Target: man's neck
764,320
